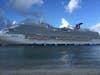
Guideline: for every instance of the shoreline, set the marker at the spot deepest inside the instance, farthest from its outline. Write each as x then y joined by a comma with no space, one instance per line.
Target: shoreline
57,71
48,44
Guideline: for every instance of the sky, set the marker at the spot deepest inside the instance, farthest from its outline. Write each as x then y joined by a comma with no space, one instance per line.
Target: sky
54,12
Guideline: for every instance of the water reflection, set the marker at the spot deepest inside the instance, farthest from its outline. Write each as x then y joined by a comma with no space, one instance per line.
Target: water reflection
30,56
82,55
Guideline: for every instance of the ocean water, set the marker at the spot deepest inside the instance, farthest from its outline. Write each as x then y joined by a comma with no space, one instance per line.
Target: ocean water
32,57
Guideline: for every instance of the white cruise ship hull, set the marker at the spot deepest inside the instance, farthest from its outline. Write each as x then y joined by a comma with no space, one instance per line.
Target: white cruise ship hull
20,39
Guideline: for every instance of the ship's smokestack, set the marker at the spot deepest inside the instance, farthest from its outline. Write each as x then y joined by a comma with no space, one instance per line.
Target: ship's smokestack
77,27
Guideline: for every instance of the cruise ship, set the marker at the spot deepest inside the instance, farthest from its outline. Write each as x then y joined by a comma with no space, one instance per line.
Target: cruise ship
43,33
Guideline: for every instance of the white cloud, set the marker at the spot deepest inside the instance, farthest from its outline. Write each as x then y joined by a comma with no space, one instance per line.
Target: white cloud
95,28
72,5
25,7
24,4
65,24
14,22
4,21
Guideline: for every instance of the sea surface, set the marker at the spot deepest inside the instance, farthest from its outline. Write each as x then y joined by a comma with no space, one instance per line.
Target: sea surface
33,57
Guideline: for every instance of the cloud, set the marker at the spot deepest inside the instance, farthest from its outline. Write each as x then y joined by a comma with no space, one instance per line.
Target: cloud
4,22
24,4
14,22
24,7
72,5
95,28
65,24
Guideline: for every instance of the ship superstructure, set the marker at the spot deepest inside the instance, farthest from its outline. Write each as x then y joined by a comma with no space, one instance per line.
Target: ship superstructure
43,33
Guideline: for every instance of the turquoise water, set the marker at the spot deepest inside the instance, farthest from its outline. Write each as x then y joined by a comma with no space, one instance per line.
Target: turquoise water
22,57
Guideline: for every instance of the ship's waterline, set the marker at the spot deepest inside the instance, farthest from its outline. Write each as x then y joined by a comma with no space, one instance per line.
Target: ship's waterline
20,39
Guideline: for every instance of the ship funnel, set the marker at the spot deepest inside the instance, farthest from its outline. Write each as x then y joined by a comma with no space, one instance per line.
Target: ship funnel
77,27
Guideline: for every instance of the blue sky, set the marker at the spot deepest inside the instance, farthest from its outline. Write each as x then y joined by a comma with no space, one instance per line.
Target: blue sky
52,11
